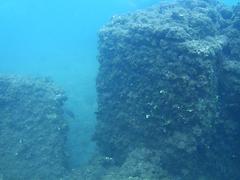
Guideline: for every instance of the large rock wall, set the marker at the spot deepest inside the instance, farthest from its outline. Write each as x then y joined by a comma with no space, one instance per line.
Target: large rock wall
32,129
167,75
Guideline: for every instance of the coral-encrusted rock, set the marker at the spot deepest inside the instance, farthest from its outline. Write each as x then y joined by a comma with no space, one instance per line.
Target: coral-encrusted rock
230,67
233,34
231,82
236,17
32,129
158,88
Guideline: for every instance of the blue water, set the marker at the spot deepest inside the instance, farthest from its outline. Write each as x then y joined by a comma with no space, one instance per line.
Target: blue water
58,38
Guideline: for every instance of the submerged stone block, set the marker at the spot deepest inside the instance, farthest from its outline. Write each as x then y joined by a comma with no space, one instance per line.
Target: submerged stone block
32,129
159,90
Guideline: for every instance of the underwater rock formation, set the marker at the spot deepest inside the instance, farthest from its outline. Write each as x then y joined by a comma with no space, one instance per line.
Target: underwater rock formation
32,129
168,92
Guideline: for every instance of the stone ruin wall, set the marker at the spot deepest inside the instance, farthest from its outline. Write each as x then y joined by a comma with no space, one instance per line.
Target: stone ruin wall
168,92
33,129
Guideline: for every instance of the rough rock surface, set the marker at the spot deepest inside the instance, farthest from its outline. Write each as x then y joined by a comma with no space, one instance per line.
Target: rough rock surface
169,92
32,129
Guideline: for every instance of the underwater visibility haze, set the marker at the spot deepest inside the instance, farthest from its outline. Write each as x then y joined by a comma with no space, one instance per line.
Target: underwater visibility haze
119,90
59,39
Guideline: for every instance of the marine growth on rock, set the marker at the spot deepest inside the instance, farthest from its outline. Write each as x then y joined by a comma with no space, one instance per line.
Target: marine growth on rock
169,91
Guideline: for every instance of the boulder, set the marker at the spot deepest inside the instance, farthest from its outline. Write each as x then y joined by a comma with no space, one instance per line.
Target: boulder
32,129
160,92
